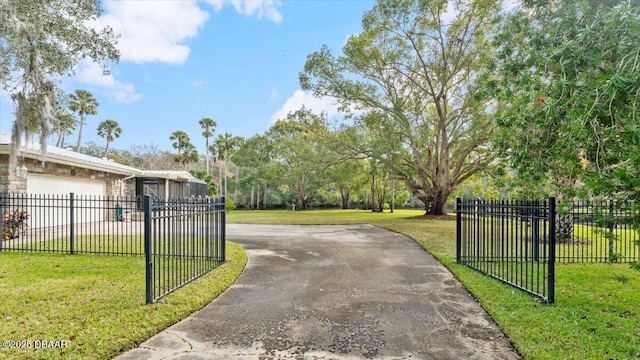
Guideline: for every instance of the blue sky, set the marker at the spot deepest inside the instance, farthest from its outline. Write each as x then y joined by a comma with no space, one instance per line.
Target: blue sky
234,61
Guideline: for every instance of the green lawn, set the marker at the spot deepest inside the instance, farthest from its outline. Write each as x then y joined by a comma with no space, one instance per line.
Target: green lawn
96,303
93,305
597,309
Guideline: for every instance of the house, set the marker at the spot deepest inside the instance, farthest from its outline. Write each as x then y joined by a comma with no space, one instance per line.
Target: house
63,172
66,171
100,182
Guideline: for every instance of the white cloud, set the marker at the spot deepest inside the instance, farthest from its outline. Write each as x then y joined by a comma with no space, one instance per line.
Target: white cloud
259,8
302,98
273,95
91,73
153,31
150,79
156,31
197,84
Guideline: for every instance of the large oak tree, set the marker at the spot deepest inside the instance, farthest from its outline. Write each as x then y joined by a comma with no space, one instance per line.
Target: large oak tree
411,76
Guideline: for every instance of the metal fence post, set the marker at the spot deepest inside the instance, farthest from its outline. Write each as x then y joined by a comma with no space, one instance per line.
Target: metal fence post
147,249
552,250
535,229
611,224
72,225
458,230
223,220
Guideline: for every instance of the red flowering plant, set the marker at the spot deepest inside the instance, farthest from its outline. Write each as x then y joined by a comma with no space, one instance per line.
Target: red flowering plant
13,224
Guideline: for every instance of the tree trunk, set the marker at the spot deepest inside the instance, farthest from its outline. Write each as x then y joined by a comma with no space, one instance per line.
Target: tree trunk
225,174
564,228
80,132
373,191
564,219
436,204
264,198
393,194
302,201
345,197
251,200
220,186
235,191
380,202
206,151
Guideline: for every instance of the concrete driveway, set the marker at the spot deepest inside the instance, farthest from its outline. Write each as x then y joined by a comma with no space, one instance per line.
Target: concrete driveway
334,292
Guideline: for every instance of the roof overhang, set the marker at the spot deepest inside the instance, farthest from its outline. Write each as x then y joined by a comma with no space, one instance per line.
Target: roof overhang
176,175
71,158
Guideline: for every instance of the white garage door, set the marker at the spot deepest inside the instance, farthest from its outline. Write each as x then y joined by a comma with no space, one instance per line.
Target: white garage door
41,184
45,212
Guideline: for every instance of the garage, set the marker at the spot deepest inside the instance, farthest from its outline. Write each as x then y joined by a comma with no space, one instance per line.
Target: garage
45,212
43,184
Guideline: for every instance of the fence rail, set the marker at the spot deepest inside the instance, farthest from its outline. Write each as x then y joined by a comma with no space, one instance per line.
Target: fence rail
513,241
181,239
597,231
184,239
71,224
518,241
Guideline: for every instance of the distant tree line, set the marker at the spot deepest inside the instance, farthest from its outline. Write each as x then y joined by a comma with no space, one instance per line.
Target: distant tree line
438,99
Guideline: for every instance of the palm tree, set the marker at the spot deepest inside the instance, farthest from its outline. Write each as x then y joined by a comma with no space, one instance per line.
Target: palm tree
208,129
214,149
225,146
109,130
186,150
180,140
85,104
189,155
65,125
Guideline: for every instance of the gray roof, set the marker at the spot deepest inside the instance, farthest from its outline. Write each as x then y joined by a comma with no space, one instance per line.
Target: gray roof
58,155
69,157
178,175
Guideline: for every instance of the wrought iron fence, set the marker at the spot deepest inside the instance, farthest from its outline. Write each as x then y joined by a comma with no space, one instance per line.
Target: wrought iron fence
597,231
518,241
181,239
71,224
184,239
513,241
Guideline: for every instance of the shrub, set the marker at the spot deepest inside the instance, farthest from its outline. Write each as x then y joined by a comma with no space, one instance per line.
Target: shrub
230,205
14,223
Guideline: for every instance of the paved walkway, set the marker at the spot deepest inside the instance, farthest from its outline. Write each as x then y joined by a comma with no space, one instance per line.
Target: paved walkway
334,292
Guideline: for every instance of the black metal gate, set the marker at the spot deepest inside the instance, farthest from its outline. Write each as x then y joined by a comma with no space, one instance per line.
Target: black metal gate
513,241
184,239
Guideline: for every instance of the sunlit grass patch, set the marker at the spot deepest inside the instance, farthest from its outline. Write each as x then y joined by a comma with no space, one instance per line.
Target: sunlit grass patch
94,303
312,217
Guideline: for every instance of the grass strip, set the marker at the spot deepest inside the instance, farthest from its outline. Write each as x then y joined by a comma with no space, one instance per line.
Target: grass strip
92,306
